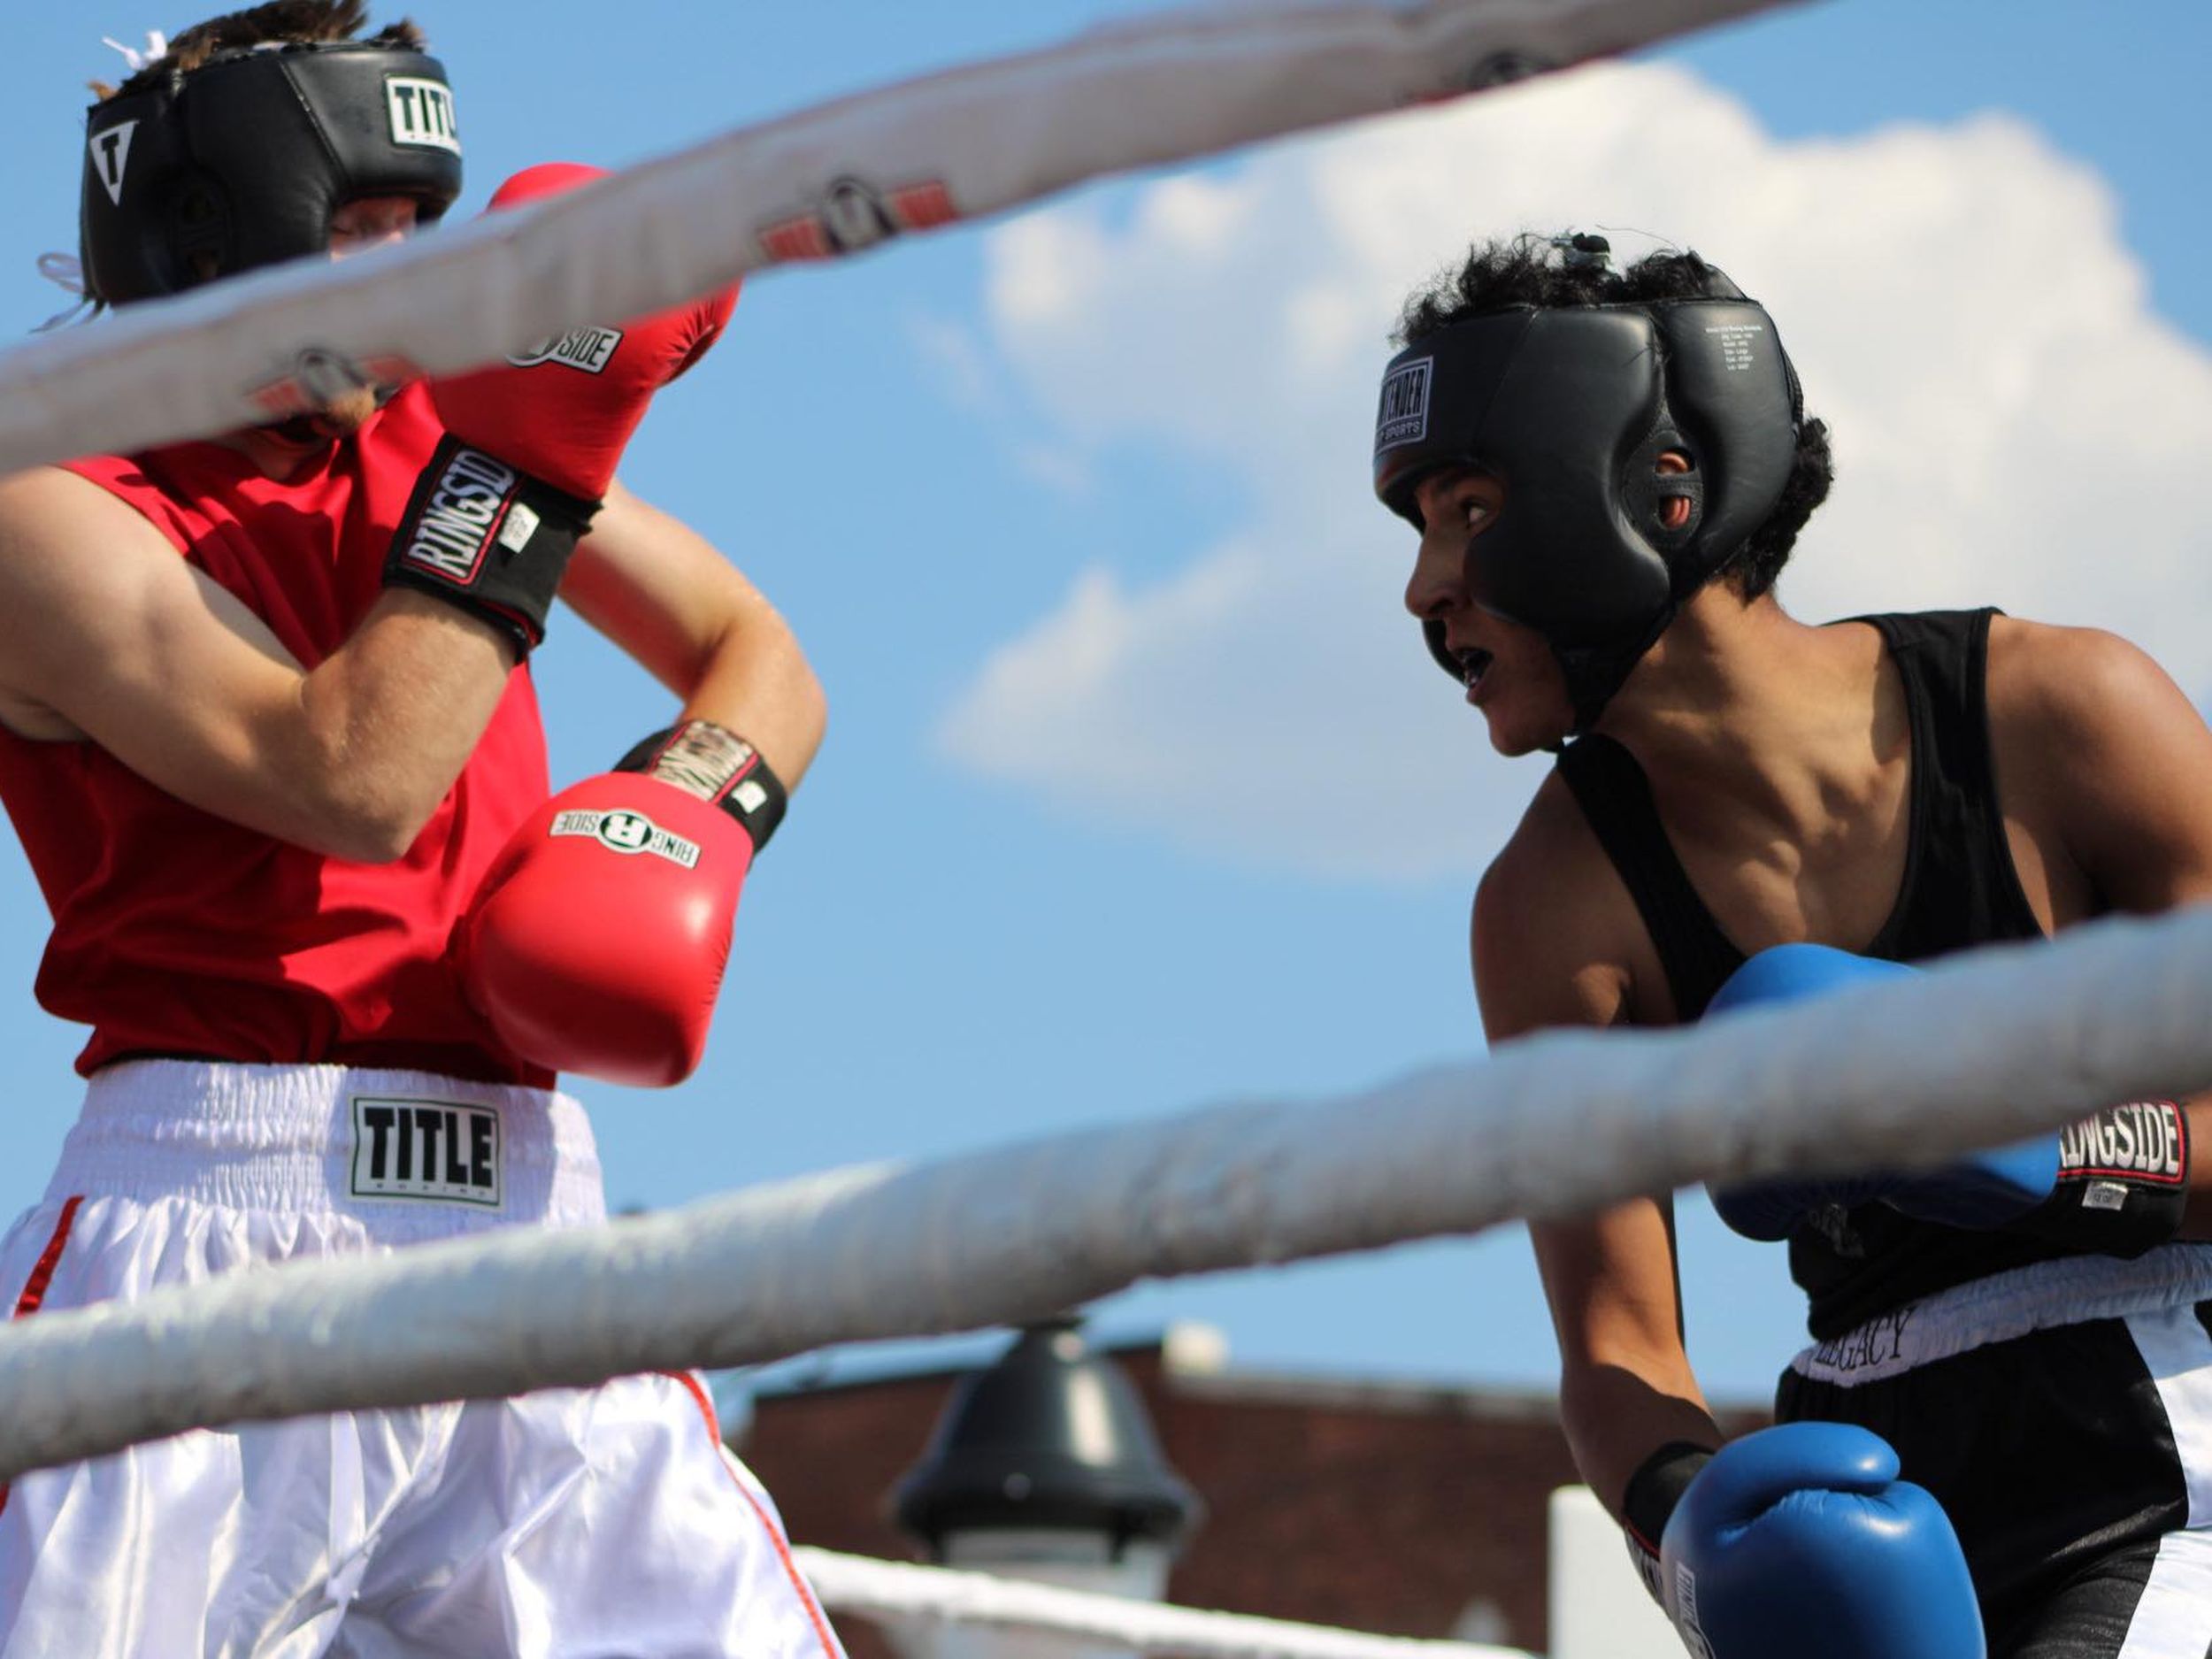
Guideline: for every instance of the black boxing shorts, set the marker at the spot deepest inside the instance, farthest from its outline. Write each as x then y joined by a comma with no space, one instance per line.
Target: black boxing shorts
2062,1414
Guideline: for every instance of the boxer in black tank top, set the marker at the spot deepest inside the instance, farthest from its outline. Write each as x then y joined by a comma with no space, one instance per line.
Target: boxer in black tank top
1731,780
1959,890
2092,1520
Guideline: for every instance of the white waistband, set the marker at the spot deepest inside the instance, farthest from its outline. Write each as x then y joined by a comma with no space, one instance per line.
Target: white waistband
325,1138
2039,1297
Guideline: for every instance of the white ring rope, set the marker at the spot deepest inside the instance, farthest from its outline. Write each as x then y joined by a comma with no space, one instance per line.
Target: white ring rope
904,1594
1984,1049
957,145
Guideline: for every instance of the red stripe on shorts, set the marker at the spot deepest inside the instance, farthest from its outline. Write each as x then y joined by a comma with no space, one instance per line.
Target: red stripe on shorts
692,1386
41,1276
49,1259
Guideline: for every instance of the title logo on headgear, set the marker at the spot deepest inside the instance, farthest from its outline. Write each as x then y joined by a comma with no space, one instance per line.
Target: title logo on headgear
1403,414
421,112
111,154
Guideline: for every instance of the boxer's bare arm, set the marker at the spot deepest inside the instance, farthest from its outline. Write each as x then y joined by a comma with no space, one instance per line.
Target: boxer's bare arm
2092,736
1625,1385
2097,747
107,633
664,595
1546,956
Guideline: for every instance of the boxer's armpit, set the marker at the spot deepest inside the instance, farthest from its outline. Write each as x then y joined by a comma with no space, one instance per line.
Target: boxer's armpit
29,718
104,626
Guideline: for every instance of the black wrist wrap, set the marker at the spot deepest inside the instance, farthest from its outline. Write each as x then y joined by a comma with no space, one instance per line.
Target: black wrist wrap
2123,1181
1648,1503
491,540
716,764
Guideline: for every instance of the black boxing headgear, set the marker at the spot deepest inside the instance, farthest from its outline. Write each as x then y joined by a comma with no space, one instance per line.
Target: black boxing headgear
242,162
1572,409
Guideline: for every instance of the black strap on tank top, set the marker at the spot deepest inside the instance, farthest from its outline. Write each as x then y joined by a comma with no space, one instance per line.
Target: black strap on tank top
1959,890
1616,797
1959,886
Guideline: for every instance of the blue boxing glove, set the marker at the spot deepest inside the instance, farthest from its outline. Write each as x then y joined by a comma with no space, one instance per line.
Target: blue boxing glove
1800,1541
2116,1182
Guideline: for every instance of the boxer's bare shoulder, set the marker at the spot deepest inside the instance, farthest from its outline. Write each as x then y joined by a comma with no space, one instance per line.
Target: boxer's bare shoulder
83,578
2104,767
106,632
77,562
1556,940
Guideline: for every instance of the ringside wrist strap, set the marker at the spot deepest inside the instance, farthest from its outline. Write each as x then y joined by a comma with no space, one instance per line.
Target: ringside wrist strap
717,765
488,538
1649,1501
2123,1181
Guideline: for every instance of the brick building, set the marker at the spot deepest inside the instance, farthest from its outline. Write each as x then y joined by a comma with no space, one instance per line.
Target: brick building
1386,1507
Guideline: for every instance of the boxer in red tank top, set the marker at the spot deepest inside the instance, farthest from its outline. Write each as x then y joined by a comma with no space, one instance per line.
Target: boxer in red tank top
269,738
178,932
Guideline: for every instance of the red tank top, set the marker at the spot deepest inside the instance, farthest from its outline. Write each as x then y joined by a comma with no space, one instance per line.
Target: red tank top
180,933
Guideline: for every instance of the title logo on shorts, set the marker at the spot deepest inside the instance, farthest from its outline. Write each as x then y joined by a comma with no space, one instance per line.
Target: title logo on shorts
590,350
466,512
1403,415
426,1149
421,112
624,832
110,149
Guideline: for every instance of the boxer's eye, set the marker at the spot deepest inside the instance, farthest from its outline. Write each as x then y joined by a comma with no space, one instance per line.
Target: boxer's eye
1464,495
1476,503
368,221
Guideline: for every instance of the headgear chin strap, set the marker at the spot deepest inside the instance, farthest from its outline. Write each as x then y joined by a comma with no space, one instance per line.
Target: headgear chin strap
241,163
1573,408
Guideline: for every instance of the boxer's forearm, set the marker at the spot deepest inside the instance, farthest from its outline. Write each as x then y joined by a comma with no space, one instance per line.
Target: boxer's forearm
1625,1385
758,682
1614,1419
2196,1219
670,600
384,726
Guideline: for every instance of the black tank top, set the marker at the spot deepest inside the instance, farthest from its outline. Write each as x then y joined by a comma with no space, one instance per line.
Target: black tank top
1959,890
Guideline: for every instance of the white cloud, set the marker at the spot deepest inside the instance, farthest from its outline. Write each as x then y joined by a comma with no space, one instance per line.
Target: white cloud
1063,471
963,368
2012,424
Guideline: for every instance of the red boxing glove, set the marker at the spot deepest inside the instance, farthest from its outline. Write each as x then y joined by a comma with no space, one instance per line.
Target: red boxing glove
531,448
563,410
597,942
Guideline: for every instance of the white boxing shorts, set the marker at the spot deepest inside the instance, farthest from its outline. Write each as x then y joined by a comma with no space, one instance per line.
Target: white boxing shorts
605,1522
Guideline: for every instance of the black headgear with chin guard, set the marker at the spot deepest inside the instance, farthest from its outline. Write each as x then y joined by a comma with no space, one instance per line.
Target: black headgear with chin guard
1573,408
241,163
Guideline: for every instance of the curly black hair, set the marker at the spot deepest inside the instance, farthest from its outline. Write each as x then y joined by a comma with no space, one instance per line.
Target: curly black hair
1551,273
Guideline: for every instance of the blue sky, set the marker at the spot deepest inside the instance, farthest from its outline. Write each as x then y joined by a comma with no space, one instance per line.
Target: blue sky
1139,795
